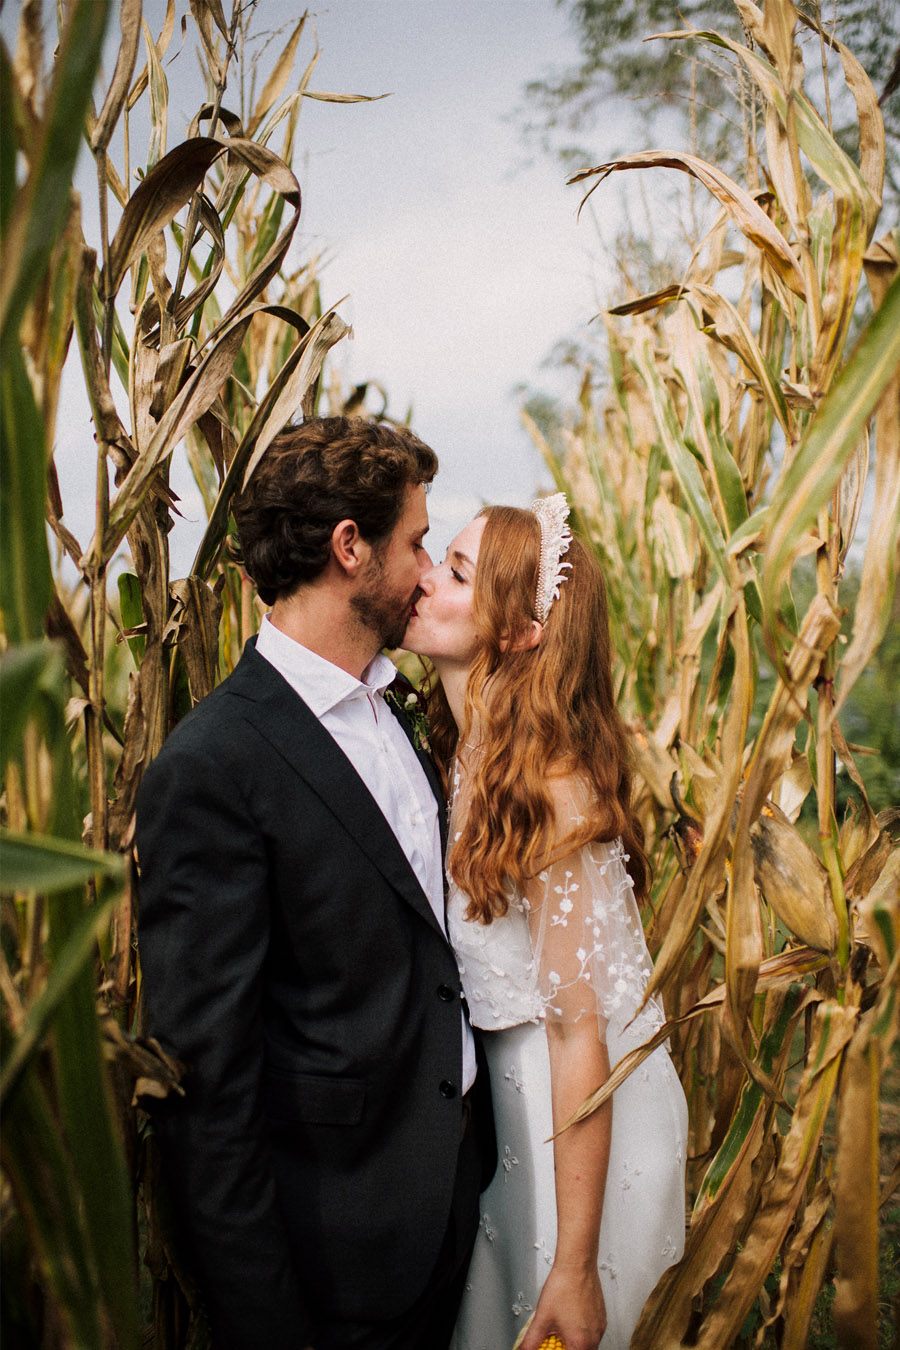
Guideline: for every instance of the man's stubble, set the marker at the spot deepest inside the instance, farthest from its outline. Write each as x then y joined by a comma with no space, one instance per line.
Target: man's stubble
384,614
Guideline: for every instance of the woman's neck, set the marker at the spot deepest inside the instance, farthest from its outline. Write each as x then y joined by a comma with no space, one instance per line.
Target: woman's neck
454,679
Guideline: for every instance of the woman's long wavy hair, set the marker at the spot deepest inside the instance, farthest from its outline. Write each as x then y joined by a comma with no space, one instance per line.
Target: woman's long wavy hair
540,713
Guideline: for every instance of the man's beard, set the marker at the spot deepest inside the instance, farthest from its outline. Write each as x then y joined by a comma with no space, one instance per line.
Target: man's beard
385,615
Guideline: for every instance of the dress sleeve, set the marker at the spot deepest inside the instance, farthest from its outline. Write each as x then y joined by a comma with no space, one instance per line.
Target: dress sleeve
589,950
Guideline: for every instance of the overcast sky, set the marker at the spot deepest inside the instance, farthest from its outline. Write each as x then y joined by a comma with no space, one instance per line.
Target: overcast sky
463,263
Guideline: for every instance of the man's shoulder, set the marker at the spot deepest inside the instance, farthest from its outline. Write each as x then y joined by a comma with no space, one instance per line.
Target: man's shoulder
218,730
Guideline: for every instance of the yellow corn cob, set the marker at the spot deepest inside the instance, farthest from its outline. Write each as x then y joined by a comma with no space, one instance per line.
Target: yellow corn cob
551,1342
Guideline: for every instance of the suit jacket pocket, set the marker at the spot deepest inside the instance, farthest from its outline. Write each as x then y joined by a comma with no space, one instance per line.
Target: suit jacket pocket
312,1099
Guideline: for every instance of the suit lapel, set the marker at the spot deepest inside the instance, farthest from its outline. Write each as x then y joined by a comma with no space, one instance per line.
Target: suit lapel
295,733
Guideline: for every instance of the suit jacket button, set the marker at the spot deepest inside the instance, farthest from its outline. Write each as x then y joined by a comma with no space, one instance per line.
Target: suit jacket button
445,993
447,1089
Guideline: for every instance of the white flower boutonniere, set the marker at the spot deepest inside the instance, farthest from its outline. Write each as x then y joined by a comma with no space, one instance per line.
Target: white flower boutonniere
410,705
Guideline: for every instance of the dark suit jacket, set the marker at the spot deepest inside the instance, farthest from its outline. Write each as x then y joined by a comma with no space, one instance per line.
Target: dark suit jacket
292,961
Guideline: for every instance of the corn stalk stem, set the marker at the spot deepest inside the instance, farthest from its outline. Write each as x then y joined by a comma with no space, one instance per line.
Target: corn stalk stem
826,574
810,279
109,301
97,565
93,713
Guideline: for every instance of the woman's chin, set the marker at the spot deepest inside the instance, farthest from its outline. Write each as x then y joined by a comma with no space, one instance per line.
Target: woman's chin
410,641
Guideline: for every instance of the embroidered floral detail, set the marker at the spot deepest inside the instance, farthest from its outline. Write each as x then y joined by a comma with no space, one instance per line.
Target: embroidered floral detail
596,958
628,1175
508,1162
569,887
512,1076
669,1251
609,1268
545,1251
519,1305
489,1231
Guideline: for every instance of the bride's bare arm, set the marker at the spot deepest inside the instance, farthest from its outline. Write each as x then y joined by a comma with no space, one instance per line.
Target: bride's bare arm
571,1302
565,919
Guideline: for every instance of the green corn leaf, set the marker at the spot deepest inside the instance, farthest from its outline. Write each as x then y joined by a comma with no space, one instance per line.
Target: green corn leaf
41,207
807,483
131,608
77,954
23,672
775,1044
40,1174
26,583
45,863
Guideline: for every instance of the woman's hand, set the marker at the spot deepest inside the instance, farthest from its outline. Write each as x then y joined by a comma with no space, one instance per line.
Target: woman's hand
571,1306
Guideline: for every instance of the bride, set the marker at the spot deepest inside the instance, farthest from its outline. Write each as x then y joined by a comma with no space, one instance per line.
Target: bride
546,865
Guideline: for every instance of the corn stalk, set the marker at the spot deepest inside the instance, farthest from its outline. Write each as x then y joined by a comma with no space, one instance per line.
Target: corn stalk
730,450
199,332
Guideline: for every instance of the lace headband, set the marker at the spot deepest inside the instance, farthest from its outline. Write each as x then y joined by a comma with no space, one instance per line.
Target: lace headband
552,513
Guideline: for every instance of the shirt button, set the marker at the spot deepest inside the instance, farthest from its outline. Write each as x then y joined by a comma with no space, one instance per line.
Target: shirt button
447,1089
445,993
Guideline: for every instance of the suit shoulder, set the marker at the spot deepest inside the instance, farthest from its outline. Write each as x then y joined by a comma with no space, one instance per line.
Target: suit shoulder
216,731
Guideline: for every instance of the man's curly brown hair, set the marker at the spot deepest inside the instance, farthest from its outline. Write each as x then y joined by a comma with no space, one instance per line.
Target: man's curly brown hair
326,470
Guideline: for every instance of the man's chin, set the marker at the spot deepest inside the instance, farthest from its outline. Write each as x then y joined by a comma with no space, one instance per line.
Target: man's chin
406,641
396,640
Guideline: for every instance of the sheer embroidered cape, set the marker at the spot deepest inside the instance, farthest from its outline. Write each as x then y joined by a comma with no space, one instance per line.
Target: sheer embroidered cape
577,947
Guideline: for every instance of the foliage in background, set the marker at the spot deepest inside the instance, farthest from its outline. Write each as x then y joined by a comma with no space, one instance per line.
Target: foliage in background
198,332
665,83
720,477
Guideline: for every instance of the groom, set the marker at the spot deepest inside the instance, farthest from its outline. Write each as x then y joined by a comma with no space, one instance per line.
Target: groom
326,1157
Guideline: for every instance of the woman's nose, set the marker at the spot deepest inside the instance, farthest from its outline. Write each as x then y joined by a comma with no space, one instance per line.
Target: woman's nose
427,577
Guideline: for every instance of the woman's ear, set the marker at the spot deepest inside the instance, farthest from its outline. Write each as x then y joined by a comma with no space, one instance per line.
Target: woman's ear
526,642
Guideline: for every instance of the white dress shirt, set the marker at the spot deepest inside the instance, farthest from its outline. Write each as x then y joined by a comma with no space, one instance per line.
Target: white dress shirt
355,715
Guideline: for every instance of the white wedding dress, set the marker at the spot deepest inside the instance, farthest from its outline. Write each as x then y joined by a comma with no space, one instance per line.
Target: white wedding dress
572,946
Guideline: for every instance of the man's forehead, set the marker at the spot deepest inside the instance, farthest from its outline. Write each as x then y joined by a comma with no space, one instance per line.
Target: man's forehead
416,512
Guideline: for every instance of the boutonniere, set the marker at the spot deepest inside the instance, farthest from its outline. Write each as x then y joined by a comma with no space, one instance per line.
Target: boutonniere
409,702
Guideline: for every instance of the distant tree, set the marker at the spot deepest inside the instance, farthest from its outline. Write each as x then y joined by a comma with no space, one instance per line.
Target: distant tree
562,108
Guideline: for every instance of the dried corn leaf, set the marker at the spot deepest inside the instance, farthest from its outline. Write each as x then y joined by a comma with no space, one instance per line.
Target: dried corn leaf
747,215
130,25
833,1026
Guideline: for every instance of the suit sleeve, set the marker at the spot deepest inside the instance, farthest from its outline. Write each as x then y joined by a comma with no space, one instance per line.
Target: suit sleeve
204,931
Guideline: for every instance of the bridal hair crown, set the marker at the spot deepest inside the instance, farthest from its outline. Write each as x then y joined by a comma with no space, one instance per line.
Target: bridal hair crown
553,514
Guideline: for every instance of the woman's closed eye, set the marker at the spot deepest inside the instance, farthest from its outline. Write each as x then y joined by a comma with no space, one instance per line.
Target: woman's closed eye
454,572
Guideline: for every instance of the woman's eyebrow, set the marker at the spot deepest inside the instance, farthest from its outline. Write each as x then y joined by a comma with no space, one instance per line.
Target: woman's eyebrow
462,557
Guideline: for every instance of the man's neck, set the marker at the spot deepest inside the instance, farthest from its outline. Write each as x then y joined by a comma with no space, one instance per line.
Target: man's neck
324,626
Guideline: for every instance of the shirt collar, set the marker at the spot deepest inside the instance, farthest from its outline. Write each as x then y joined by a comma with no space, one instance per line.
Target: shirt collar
321,684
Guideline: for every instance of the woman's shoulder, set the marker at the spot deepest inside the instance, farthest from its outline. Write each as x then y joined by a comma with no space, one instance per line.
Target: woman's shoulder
572,793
